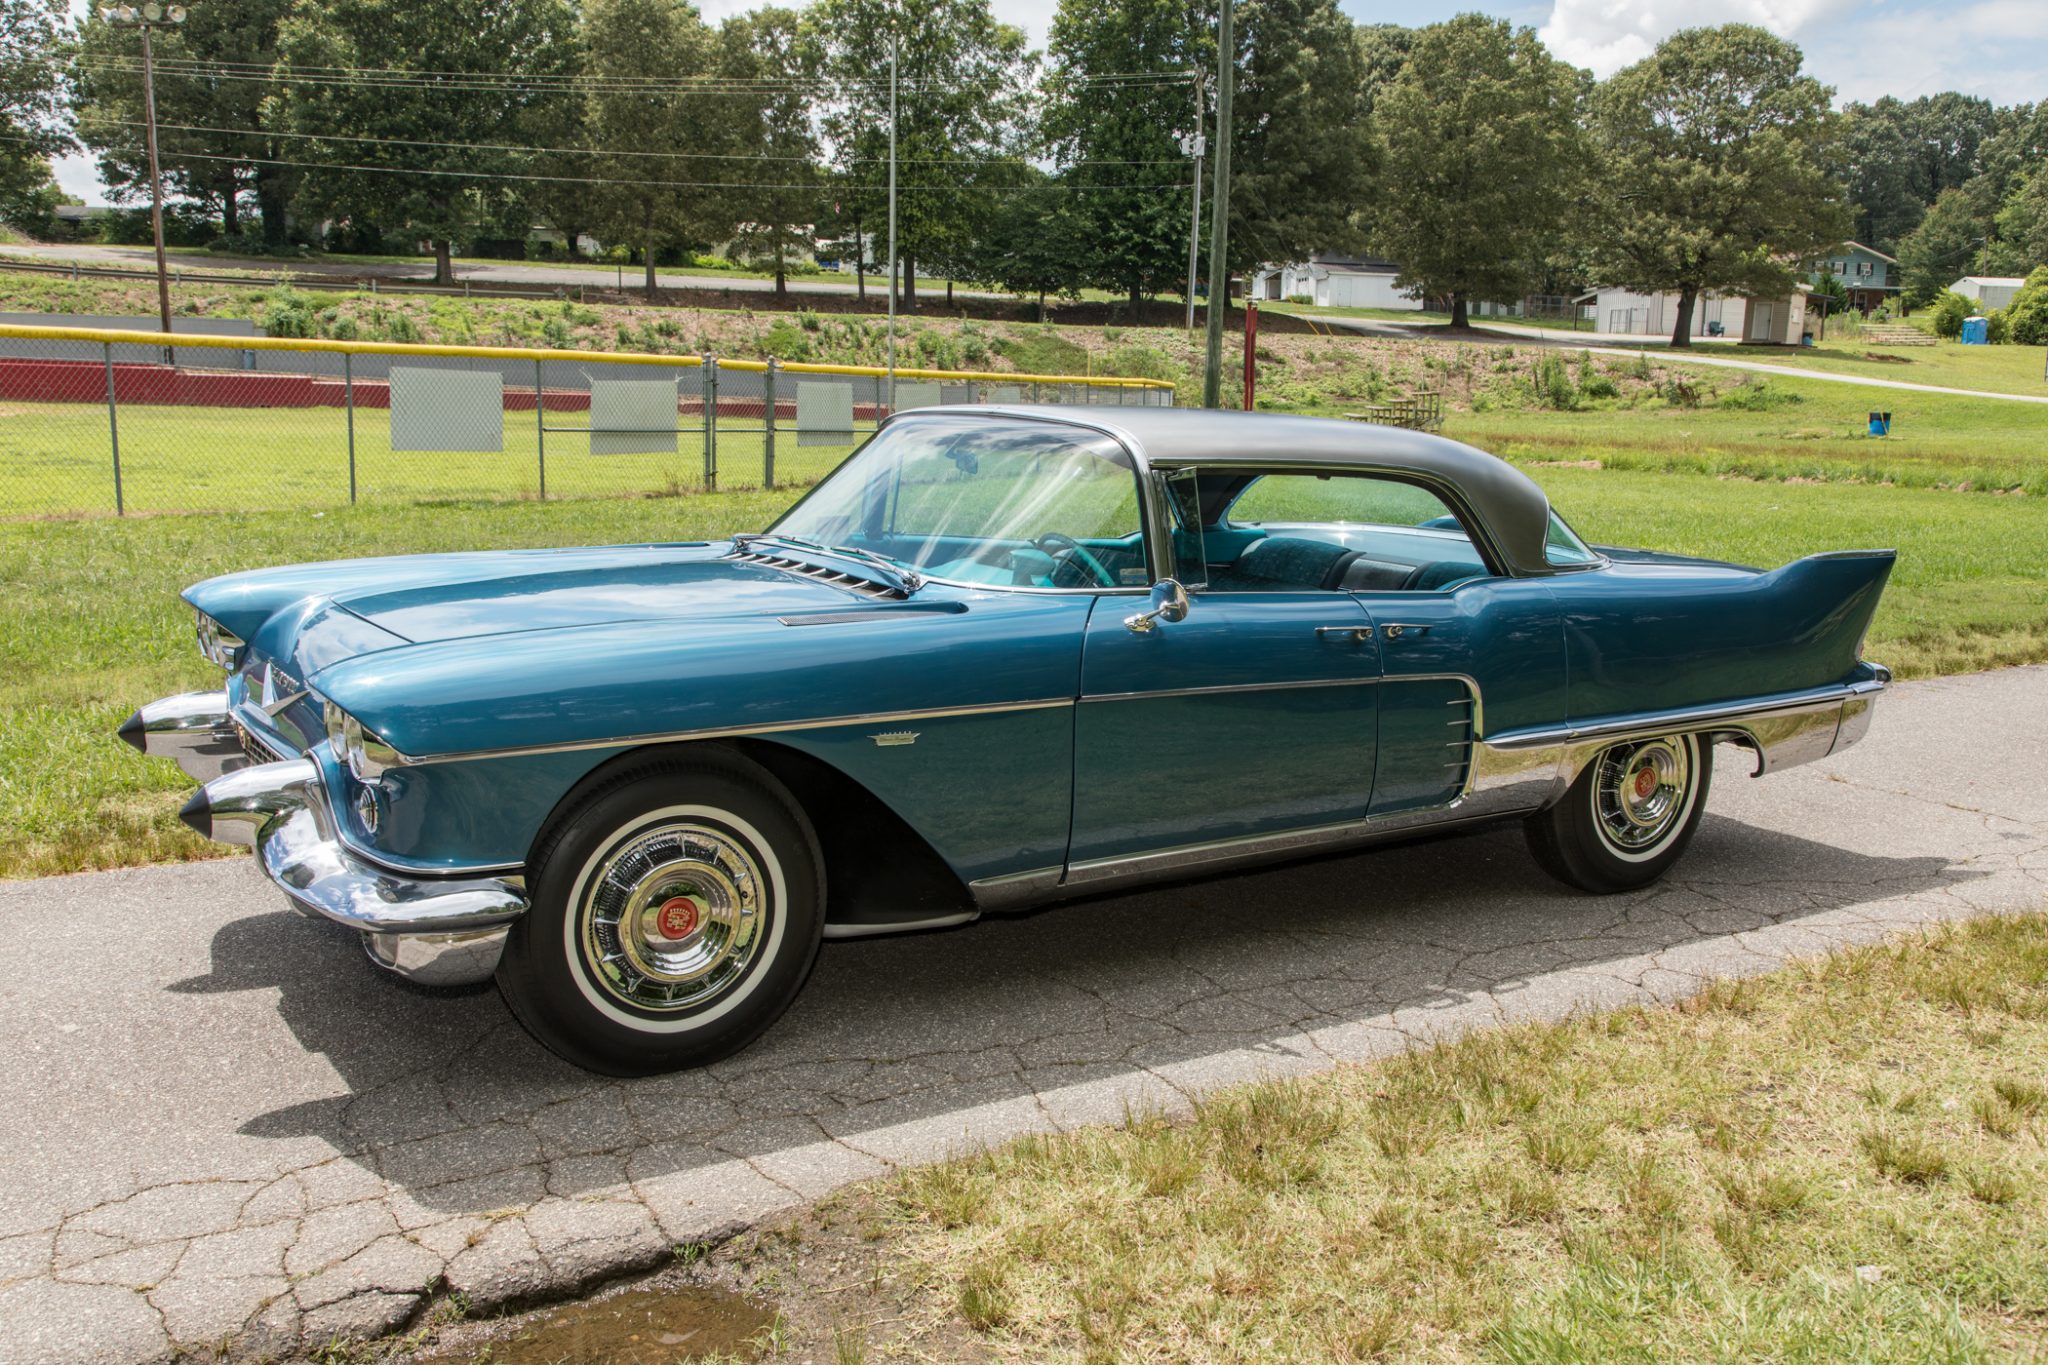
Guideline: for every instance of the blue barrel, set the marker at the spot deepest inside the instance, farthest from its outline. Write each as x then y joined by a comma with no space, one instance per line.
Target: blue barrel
1976,332
1880,424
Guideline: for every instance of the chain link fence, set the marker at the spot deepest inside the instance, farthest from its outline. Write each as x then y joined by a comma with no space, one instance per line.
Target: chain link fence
110,423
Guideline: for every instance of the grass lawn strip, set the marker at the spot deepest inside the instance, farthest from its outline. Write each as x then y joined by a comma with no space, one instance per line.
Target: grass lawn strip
1846,1159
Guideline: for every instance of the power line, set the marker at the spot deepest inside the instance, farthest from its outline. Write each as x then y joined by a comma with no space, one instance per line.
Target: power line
599,151
561,83
1052,186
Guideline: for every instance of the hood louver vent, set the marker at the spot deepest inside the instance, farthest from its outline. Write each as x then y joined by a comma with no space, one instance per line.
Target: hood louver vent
866,587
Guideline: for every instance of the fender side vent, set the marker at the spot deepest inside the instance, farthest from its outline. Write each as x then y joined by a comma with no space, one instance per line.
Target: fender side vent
839,578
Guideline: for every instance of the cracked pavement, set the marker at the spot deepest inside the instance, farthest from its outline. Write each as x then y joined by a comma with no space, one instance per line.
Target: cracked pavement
221,1126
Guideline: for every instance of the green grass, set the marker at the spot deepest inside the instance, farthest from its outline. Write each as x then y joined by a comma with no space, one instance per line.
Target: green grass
1795,1167
55,459
1948,364
94,628
1783,429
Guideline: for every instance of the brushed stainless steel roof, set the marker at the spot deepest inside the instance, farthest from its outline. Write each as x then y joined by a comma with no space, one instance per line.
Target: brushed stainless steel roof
1515,512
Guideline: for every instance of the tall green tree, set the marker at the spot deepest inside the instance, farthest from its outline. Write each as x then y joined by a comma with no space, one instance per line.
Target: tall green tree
1482,161
1118,139
1301,150
1897,156
961,119
450,89
646,62
1713,175
1948,243
217,145
1037,244
32,33
779,196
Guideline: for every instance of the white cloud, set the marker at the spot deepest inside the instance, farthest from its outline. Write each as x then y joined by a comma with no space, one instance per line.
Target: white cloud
1994,48
1607,35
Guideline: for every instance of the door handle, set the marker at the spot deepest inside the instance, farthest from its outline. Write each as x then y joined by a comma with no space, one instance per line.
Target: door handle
1393,631
1358,635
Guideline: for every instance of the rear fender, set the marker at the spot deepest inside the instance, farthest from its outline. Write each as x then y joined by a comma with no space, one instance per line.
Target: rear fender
1648,642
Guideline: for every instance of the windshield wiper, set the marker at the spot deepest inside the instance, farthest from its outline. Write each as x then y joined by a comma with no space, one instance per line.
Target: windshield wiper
910,578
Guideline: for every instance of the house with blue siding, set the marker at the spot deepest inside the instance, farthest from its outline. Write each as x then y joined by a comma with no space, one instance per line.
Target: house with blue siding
1870,276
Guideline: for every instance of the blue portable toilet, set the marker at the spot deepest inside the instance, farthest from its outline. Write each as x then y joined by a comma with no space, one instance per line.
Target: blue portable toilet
1976,332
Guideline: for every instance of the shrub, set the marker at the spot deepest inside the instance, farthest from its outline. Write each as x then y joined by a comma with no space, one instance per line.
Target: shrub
1998,326
1948,312
2026,317
1552,384
1302,298
1598,386
785,341
402,328
1758,395
288,313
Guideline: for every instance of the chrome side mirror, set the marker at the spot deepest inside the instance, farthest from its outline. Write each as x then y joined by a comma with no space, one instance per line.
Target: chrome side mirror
1169,602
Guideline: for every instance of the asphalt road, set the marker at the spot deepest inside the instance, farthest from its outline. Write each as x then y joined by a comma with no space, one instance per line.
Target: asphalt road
219,1122
482,271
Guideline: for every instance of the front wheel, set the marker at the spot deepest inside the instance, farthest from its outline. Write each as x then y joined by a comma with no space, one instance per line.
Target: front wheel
676,912
1629,816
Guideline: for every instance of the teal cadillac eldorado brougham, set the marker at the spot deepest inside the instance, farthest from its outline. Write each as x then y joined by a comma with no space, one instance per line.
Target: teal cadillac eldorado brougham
1002,656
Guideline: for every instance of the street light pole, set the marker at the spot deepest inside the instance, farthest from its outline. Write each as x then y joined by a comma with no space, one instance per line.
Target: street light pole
147,17
1194,144
893,261
1219,211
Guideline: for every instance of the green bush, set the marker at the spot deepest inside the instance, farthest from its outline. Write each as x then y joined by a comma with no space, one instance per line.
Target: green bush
288,313
1948,310
2026,317
1758,395
786,341
1598,386
1998,327
1552,384
1302,298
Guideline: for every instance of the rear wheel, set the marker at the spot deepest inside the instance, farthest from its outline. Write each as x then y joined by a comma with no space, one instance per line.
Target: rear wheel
676,911
1628,817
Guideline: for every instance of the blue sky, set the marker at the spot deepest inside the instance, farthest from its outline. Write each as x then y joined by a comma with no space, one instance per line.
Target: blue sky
1864,48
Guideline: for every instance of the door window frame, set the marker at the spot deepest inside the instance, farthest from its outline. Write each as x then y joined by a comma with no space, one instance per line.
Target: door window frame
1161,545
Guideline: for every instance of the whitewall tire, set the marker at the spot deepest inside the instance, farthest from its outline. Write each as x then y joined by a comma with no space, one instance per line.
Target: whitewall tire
677,908
1629,816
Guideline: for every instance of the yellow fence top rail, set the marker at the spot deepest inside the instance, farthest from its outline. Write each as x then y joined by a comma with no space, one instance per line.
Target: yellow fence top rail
115,336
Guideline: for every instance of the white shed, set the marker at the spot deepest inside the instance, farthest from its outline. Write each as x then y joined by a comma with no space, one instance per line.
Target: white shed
1988,292
1779,321
1333,281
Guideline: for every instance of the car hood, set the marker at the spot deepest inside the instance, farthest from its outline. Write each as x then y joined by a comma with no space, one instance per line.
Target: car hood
422,598
545,597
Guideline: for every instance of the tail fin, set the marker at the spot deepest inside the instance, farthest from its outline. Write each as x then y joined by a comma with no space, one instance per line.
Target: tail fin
1825,603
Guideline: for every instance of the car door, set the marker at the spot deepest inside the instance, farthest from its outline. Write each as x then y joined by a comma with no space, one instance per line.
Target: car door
1459,663
1255,713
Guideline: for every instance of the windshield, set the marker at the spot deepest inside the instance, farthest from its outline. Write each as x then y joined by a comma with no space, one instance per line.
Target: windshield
990,500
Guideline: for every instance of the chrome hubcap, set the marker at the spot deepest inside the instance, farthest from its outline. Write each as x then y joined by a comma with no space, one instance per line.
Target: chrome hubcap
674,916
1639,791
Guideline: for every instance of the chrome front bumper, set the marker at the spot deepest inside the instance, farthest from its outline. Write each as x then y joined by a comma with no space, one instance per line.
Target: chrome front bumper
195,730
440,931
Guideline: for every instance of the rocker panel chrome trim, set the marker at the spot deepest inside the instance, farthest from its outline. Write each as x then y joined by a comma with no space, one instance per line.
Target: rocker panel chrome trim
908,926
737,731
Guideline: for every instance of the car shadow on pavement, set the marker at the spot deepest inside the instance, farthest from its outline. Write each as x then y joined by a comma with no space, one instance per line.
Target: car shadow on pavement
448,1098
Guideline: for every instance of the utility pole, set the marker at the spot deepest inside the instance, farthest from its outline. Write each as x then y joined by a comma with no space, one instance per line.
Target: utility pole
1194,144
1219,210
147,17
893,260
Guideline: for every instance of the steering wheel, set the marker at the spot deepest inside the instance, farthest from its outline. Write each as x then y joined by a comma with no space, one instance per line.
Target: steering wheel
1065,549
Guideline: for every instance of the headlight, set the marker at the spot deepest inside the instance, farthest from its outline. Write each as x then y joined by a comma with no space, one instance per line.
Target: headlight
366,755
219,644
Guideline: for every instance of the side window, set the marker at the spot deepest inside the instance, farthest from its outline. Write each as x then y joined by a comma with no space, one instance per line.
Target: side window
1332,532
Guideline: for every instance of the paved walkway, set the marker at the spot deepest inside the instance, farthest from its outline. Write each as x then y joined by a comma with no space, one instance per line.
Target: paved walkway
219,1122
